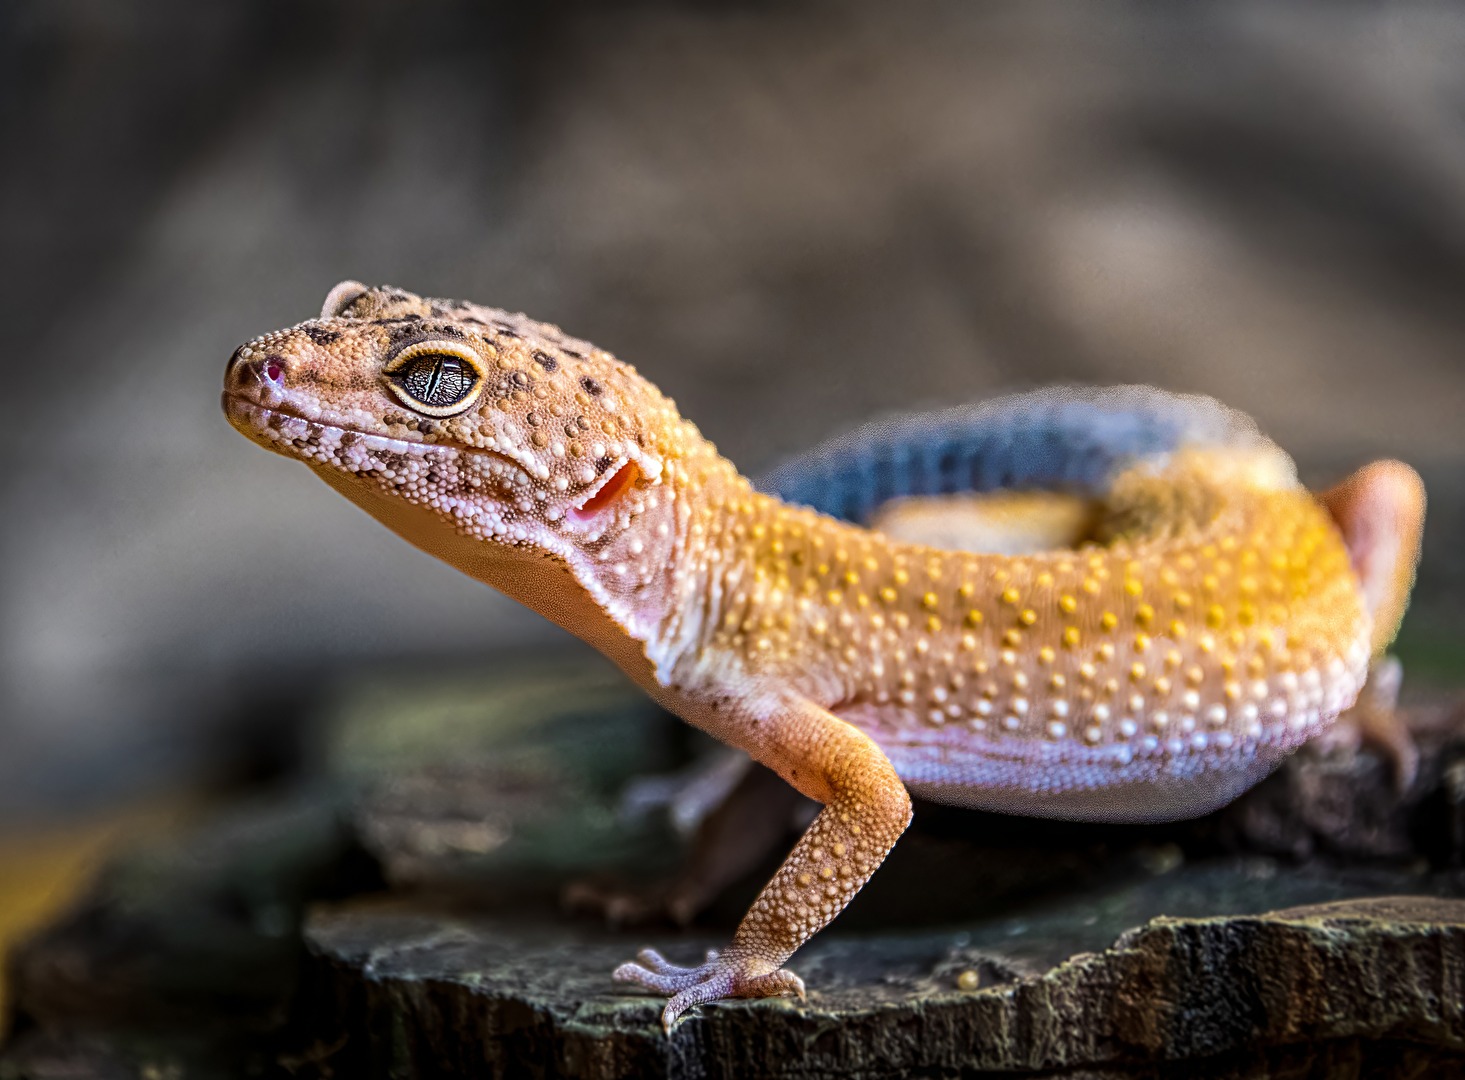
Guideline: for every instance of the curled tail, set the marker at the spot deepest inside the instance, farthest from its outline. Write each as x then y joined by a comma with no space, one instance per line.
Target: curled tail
1072,439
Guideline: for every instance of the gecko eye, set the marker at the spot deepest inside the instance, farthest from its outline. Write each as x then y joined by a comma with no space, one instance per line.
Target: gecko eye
436,378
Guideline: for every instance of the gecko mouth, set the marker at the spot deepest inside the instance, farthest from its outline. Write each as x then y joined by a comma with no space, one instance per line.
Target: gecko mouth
284,430
295,436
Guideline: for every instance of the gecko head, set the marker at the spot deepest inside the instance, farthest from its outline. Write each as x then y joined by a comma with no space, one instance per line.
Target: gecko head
438,416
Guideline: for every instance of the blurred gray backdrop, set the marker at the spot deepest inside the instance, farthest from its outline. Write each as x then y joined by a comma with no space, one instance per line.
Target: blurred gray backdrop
790,216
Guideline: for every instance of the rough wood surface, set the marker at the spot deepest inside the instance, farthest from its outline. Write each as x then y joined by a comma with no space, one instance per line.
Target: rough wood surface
422,994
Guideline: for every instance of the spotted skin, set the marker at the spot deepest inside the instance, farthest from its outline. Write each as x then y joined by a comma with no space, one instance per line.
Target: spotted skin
1212,623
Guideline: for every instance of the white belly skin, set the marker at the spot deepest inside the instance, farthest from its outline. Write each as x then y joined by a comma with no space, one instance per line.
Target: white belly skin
1079,792
1073,782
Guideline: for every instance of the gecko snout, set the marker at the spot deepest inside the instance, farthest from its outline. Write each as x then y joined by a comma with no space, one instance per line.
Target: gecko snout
251,371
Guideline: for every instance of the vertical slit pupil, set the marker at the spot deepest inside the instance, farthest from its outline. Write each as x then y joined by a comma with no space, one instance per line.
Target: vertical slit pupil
438,380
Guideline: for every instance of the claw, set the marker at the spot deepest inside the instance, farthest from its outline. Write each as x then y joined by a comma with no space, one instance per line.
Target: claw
712,980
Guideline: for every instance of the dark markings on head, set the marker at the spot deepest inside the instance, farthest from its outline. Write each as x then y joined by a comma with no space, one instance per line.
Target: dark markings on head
320,335
591,386
544,360
603,464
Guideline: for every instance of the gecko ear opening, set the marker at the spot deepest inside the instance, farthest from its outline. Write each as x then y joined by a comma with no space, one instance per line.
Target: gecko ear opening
341,297
609,492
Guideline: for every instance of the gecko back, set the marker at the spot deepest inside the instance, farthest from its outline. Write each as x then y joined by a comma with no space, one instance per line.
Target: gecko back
1066,439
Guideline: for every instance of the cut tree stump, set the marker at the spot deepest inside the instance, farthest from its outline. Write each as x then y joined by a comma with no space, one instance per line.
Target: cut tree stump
403,918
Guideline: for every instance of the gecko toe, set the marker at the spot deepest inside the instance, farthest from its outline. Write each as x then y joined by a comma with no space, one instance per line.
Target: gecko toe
713,980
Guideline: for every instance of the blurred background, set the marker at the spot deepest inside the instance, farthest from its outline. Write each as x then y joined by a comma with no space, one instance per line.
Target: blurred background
789,216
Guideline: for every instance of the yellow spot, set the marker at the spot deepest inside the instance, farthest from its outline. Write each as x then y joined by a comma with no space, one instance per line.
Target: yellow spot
968,980
1090,586
827,872
1133,587
1136,671
835,597
1144,614
1012,639
1046,655
1028,617
1183,600
933,624
1108,620
1010,595
1215,616
1045,579
974,617
1178,629
966,591
888,594
1071,636
901,577
1067,604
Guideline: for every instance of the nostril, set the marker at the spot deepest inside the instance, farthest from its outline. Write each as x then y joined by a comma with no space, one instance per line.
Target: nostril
249,372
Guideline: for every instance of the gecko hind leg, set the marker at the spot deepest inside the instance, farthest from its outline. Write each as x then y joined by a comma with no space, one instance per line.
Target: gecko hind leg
1380,511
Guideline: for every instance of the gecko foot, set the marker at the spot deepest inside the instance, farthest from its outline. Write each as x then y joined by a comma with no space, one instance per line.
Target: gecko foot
719,977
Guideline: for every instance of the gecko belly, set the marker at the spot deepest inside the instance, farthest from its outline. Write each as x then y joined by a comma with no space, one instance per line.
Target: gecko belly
1184,776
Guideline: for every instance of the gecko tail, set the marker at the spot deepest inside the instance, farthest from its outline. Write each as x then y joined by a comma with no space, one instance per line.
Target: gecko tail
1062,438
